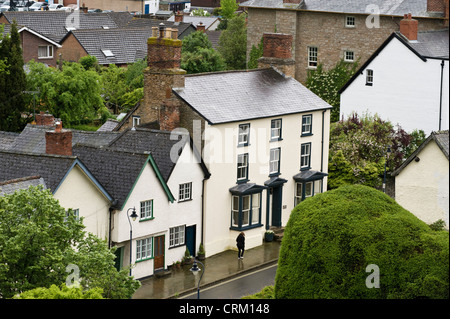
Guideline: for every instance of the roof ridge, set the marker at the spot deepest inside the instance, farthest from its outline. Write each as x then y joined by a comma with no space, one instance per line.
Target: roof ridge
111,149
38,154
228,71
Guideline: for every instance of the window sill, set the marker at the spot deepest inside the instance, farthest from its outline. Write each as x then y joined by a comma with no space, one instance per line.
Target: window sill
306,134
45,58
184,200
177,246
274,174
369,84
276,139
146,219
241,181
145,259
306,168
243,145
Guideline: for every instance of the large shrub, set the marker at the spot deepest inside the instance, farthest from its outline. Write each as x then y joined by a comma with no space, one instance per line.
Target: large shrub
332,237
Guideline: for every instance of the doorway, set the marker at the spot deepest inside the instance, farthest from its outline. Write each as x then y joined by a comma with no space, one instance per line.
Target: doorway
159,252
190,239
276,205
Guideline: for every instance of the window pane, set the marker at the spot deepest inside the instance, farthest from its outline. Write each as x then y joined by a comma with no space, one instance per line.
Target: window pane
42,51
255,208
308,189
246,202
317,186
235,218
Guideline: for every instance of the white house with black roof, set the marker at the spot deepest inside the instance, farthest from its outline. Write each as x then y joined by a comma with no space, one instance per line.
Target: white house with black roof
405,81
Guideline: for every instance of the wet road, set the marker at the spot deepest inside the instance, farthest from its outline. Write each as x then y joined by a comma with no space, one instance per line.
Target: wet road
238,287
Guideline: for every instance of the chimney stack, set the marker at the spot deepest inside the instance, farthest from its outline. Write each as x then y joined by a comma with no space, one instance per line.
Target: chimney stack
59,141
409,27
179,16
277,52
164,52
44,119
201,27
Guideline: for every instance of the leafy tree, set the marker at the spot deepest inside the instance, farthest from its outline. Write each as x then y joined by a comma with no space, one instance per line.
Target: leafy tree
326,84
72,94
358,150
63,292
255,53
228,9
331,238
89,62
112,85
198,55
38,240
233,43
12,81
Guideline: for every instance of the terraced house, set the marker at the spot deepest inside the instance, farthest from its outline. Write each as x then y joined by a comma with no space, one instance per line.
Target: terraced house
327,31
263,135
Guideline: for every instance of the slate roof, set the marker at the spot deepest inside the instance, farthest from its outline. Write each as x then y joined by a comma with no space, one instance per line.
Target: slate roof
418,8
156,142
442,140
184,28
432,44
52,168
11,186
234,96
207,21
52,24
116,170
32,139
126,44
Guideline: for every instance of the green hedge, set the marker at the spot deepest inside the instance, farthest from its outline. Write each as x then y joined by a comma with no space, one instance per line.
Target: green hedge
332,237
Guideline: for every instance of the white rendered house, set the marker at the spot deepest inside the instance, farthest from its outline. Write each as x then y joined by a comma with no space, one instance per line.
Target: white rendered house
406,81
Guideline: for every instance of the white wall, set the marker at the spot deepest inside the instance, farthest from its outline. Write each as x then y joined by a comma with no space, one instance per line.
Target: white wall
221,159
405,90
423,187
78,192
166,214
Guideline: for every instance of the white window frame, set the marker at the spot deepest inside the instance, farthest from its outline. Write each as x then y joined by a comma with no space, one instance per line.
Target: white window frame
305,156
177,236
275,129
185,192
256,209
144,249
246,210
349,56
307,124
297,196
350,21
274,160
146,210
48,52
242,167
235,211
243,134
313,53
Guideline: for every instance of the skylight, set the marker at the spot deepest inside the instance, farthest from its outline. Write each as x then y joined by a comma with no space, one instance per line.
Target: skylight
108,53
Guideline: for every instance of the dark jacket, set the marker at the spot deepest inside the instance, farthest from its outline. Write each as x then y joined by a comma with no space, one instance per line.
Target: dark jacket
240,241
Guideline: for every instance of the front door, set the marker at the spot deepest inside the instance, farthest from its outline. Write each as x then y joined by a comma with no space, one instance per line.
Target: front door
159,252
190,239
276,206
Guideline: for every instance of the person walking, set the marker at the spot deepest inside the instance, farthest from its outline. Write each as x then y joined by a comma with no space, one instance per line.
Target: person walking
240,243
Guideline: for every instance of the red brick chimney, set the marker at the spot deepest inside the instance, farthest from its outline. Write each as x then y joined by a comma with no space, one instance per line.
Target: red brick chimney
59,141
277,52
436,5
201,27
44,119
409,27
179,16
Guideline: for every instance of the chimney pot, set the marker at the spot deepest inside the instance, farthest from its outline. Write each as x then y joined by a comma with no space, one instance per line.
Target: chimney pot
179,16
161,30
201,27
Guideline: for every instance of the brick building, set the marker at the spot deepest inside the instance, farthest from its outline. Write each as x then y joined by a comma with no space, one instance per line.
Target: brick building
328,31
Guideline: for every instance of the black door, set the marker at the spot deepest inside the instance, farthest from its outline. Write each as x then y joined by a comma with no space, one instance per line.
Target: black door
276,206
190,239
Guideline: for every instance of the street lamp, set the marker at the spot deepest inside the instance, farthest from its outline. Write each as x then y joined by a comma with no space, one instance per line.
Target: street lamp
388,151
133,216
195,271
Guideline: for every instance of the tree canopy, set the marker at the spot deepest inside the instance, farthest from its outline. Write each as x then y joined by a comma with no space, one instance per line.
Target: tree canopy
39,240
333,238
233,43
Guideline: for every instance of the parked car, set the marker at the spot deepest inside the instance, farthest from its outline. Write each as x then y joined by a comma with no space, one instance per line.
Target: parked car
54,6
37,6
5,6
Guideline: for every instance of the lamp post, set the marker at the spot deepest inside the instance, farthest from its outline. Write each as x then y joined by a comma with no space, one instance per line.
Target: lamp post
388,151
195,271
133,216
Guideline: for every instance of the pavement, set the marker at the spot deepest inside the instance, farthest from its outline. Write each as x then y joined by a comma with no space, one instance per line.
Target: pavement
217,268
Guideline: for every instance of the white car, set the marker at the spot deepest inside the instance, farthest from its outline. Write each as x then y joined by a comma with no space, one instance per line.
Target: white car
36,6
54,7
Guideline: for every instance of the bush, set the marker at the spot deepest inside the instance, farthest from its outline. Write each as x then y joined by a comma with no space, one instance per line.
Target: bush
332,237
55,292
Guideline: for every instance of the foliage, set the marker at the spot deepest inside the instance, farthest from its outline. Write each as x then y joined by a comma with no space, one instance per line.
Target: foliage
358,149
233,43
332,237
200,13
266,293
228,8
39,239
255,53
197,54
12,81
89,62
112,88
326,84
72,94
63,292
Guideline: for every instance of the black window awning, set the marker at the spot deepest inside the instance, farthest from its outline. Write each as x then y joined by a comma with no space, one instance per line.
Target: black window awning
275,181
246,188
308,176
